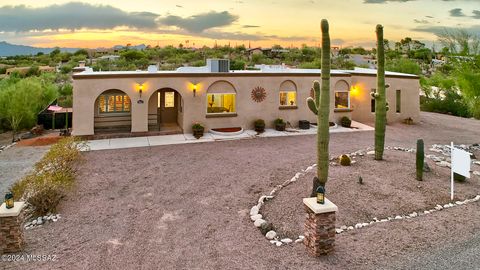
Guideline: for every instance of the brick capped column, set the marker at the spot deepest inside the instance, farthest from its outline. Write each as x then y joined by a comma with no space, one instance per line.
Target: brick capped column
11,229
319,226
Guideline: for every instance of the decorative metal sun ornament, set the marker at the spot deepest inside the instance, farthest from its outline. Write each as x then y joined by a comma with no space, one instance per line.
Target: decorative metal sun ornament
259,94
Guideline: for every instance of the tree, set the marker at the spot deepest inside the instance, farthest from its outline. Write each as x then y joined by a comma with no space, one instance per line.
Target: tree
460,41
81,52
403,65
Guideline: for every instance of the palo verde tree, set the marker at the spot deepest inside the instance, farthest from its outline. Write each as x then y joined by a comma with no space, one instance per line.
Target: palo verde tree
380,97
321,107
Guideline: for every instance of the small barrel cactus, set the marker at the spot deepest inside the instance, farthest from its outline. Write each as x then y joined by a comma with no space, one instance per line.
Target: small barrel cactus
345,160
420,159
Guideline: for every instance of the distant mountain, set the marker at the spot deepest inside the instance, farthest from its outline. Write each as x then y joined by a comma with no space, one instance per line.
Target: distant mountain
7,49
140,47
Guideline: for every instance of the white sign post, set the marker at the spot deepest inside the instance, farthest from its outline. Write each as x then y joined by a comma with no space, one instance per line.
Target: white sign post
460,164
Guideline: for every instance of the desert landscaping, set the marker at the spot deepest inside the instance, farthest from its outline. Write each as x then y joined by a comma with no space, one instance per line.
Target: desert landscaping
187,206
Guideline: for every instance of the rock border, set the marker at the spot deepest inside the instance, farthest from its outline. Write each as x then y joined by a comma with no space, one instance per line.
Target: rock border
272,236
5,147
40,221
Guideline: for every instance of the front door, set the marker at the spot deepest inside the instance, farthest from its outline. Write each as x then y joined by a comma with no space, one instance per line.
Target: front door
168,106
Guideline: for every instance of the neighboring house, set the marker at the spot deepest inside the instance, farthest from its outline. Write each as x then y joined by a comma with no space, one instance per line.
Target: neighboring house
362,60
24,70
143,102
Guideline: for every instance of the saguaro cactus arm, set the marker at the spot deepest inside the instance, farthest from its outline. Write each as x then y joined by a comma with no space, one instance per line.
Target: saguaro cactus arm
313,104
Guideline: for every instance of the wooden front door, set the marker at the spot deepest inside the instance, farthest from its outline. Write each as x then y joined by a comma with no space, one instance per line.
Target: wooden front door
168,106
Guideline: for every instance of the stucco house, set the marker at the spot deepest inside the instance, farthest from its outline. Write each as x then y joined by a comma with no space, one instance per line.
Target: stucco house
165,102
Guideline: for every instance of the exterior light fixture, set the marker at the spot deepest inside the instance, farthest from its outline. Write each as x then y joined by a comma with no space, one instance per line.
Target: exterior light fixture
321,195
9,200
140,90
194,90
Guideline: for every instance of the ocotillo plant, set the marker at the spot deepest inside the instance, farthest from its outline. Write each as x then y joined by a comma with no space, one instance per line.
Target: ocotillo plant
420,159
321,107
380,99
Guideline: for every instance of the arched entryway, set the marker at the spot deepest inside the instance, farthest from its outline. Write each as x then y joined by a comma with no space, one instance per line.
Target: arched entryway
165,111
112,112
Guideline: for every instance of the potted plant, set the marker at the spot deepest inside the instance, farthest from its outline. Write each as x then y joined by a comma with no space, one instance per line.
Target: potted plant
280,124
346,122
259,125
198,130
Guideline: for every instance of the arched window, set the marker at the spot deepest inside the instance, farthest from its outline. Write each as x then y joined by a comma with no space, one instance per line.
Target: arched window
342,95
113,101
221,98
288,94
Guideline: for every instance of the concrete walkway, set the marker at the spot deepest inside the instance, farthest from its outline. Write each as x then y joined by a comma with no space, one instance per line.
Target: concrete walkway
120,143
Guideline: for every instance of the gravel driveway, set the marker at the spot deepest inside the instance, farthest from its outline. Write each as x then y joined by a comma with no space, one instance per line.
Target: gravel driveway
186,207
17,161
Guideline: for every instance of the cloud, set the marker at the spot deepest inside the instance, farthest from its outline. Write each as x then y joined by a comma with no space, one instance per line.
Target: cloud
440,29
476,14
71,16
250,26
456,12
421,21
201,22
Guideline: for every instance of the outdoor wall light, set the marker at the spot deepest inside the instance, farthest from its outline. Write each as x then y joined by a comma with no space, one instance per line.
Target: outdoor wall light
140,90
194,90
9,200
320,195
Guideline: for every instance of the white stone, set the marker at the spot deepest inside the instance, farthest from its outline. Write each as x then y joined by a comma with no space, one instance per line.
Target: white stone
286,240
39,221
458,202
446,206
371,222
273,241
350,228
371,153
338,231
426,212
414,214
278,243
383,220
443,164
270,235
451,204
301,237
344,227
254,210
54,219
358,226
476,198
299,240
398,217
255,217
438,207
365,224
259,222
34,222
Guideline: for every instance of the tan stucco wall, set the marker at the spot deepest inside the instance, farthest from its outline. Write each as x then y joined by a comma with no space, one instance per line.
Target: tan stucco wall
86,91
410,100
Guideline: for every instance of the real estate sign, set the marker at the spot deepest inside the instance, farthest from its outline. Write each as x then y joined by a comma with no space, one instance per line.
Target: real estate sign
460,164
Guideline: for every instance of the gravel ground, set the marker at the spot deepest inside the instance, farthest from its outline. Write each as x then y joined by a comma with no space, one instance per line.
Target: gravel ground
186,207
385,192
16,162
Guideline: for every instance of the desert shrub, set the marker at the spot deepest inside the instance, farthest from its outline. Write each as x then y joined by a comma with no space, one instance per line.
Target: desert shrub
452,104
344,160
345,122
51,178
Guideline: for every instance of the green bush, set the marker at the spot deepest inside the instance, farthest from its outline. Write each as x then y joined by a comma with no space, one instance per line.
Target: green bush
344,160
53,175
452,104
345,122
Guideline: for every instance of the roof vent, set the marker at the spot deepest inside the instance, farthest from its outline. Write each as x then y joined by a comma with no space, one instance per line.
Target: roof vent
152,69
218,65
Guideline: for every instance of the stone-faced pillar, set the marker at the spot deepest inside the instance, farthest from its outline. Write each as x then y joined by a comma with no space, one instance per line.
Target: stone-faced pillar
11,229
319,226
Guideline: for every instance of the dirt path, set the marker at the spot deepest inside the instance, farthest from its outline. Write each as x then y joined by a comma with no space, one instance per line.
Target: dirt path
186,207
17,161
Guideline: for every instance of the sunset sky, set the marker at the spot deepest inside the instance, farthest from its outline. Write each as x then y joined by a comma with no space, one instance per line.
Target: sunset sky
105,23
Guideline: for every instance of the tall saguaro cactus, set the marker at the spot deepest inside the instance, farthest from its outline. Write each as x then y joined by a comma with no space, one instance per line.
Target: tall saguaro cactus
321,107
380,97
